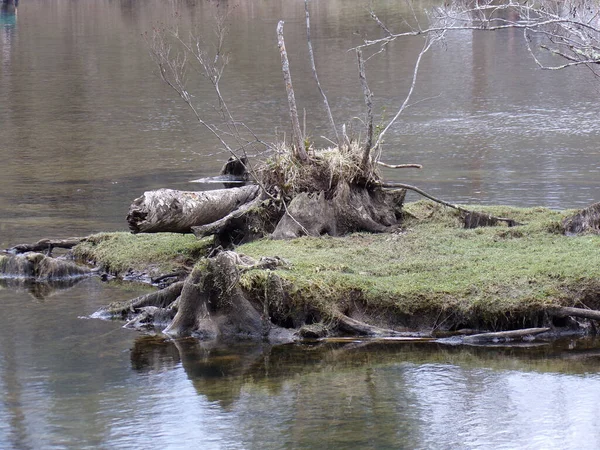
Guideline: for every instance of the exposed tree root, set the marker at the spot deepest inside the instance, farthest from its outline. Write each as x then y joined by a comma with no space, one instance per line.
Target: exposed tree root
127,310
576,312
356,327
471,219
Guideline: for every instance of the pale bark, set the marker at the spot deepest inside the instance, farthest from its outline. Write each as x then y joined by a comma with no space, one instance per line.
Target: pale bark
167,210
297,137
369,104
501,336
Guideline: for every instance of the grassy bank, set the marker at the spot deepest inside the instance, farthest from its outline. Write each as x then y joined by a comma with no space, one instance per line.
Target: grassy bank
150,254
433,270
431,274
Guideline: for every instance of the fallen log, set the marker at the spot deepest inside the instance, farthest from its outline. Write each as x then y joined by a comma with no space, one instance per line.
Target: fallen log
167,210
502,336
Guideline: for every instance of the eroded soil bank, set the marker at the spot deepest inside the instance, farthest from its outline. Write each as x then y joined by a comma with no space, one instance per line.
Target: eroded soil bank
431,277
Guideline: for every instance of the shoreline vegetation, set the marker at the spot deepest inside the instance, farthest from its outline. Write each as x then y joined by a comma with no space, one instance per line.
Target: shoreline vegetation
430,278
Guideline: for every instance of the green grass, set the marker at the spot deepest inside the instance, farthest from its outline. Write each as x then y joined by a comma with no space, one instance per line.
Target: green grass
156,253
434,265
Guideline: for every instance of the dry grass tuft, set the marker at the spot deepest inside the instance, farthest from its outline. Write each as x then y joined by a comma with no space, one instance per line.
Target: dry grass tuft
325,169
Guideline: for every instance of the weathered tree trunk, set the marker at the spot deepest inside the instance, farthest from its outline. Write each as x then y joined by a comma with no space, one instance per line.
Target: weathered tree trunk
167,210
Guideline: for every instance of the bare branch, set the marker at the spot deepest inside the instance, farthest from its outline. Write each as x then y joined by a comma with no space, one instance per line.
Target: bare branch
314,71
369,103
431,39
298,141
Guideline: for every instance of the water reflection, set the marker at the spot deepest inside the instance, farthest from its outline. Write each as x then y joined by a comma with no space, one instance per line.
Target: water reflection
39,290
376,395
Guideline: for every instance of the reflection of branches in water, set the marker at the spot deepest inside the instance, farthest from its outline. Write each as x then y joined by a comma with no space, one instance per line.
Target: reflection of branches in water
38,290
220,371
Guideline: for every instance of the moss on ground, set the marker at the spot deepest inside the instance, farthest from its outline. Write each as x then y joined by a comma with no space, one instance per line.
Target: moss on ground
493,276
155,254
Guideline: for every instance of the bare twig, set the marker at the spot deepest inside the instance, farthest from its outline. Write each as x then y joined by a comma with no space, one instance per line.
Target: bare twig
400,166
300,151
431,39
570,27
314,71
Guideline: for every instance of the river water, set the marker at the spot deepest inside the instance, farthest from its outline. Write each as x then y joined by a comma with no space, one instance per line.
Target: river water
86,126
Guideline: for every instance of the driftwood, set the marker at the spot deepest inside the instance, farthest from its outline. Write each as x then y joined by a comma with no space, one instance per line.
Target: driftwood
502,336
47,245
167,210
587,219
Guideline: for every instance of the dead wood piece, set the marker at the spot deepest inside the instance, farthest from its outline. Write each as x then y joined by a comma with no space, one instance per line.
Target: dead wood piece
46,245
502,335
316,76
167,210
400,166
130,308
213,304
587,219
566,311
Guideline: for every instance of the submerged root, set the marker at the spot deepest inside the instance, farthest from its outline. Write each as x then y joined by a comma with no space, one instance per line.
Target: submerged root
128,310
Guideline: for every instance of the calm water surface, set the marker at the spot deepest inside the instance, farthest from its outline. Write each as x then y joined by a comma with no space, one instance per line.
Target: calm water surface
86,126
